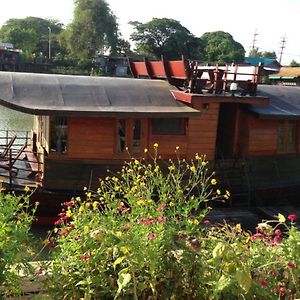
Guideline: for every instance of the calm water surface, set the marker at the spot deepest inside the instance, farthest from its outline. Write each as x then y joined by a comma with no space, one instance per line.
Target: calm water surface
13,120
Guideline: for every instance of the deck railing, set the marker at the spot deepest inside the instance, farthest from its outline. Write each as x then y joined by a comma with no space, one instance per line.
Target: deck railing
21,166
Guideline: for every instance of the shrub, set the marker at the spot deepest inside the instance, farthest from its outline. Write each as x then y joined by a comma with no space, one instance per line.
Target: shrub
144,235
16,216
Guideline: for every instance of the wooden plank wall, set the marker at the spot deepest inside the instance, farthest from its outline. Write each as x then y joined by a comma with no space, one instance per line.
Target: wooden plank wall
91,138
257,137
202,132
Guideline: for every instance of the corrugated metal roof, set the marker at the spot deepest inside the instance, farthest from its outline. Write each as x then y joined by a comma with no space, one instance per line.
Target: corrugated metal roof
290,72
284,102
48,94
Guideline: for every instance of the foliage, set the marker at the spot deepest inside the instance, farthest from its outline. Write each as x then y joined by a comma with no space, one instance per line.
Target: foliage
294,63
266,54
126,239
16,216
220,47
31,34
94,29
164,37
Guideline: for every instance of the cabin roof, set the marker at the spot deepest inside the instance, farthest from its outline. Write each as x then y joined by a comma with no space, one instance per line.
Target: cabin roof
286,72
49,94
284,102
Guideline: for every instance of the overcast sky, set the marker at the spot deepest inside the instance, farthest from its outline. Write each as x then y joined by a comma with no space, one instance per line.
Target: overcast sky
272,19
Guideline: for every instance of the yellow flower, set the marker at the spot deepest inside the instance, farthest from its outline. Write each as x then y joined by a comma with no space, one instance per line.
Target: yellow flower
218,192
156,169
140,202
204,163
145,150
193,169
196,222
89,194
136,162
85,188
2,189
213,181
155,145
68,213
46,242
81,208
172,204
87,229
26,188
171,168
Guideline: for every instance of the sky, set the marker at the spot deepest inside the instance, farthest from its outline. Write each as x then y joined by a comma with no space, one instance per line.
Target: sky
272,20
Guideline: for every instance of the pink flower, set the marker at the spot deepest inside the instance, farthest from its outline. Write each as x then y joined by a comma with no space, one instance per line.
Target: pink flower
152,236
291,265
62,214
278,232
69,203
263,282
277,239
161,207
292,217
39,272
85,257
161,219
58,222
259,229
206,222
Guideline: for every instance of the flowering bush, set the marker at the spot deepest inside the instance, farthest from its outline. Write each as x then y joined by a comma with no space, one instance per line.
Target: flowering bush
144,234
16,216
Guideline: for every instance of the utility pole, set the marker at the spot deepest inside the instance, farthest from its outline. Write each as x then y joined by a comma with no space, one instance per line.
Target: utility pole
283,41
49,44
254,39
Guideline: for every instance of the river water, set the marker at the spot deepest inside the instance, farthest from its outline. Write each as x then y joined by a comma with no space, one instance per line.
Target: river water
13,120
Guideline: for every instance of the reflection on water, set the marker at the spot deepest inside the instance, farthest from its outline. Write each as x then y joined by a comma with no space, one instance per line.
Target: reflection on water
14,120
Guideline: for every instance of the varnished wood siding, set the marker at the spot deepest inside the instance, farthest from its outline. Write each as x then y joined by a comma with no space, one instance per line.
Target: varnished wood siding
257,137
202,132
91,138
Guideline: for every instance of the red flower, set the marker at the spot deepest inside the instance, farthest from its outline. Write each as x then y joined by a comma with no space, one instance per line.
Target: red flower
292,217
259,229
69,203
263,282
62,214
282,291
277,239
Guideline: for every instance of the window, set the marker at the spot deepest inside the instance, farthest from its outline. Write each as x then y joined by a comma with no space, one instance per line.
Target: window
173,126
58,134
129,135
287,137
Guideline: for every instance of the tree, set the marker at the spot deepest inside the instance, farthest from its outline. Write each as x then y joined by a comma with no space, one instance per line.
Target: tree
164,37
94,30
220,47
266,54
294,64
31,34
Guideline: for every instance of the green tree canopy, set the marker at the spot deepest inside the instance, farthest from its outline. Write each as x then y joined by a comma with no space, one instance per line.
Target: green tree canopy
31,34
220,47
266,54
294,63
94,30
164,37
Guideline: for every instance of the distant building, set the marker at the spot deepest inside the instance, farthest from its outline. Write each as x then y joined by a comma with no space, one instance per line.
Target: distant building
113,65
9,57
286,76
270,64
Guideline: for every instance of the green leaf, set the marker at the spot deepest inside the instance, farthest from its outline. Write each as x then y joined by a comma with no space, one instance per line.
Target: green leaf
281,218
223,282
118,261
244,278
123,280
218,250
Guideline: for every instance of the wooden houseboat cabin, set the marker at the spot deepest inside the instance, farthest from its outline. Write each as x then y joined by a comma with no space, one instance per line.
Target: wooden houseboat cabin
83,125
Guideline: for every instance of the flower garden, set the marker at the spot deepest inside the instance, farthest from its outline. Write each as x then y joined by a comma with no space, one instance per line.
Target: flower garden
144,234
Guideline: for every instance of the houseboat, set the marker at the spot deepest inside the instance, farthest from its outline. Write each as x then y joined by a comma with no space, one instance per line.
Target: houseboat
86,125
